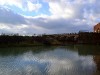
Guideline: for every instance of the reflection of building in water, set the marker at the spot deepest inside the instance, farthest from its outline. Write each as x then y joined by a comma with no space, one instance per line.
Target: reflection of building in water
97,28
91,50
97,61
88,50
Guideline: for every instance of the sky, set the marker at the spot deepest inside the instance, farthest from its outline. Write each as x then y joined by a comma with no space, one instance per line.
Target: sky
28,17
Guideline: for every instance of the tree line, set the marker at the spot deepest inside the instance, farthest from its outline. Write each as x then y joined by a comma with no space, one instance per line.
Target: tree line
16,39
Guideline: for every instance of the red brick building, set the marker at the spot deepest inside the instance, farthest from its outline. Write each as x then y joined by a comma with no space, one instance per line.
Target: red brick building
97,28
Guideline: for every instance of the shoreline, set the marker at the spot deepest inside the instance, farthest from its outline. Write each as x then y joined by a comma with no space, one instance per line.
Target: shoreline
50,40
32,45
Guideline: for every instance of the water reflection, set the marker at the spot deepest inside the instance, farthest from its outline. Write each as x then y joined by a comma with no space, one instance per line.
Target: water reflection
67,60
91,50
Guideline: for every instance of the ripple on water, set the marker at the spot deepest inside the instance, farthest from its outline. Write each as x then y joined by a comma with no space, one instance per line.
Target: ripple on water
57,62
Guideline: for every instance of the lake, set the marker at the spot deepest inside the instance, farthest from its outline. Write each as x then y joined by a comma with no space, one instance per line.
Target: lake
50,60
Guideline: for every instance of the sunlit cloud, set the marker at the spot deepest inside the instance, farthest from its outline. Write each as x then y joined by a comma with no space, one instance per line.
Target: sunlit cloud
58,10
33,7
17,3
26,5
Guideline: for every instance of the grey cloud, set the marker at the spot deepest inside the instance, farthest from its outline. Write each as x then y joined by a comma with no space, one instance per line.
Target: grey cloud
49,25
60,25
9,17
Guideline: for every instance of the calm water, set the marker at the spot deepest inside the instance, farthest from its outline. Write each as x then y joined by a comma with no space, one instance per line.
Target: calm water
61,60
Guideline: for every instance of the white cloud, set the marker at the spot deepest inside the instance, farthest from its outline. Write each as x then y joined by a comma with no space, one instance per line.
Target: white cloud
2,26
12,2
26,5
69,8
60,10
33,7
9,28
21,26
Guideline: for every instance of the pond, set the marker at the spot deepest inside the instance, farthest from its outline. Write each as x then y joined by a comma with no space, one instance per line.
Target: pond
50,60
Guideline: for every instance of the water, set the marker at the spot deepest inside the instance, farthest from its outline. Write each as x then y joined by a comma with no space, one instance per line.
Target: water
60,60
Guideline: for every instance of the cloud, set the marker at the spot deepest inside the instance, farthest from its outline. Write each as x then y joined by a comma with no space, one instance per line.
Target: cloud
26,5
18,3
11,22
15,23
65,16
33,7
9,17
58,10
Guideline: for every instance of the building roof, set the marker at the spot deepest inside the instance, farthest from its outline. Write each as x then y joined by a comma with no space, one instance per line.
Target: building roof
97,25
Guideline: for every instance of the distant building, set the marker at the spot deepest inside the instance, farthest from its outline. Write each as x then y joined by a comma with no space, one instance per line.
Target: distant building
97,28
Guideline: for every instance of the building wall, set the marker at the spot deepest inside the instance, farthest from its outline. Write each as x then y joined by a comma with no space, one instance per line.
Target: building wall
97,28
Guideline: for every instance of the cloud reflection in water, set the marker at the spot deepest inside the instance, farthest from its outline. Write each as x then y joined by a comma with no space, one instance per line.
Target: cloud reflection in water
57,62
